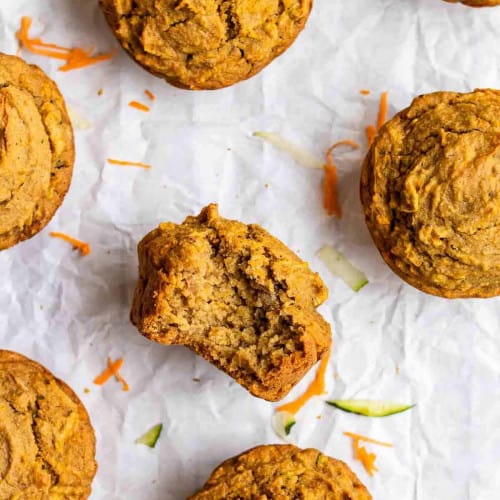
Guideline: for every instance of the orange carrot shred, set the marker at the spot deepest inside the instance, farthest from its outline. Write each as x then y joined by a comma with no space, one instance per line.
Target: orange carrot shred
316,388
115,369
122,381
139,106
129,163
112,370
150,94
360,452
330,196
382,112
83,247
359,437
109,371
79,58
371,130
364,92
74,58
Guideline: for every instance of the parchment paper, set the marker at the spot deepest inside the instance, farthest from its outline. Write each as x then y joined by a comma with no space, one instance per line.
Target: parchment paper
70,313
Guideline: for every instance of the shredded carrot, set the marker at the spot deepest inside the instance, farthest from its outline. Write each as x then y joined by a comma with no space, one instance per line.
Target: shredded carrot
361,453
83,247
79,58
128,163
74,58
112,370
139,106
330,198
366,458
115,369
365,439
371,130
382,112
150,94
364,92
316,388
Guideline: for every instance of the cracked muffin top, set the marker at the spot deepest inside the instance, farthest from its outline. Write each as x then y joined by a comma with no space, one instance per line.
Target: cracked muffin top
205,44
47,443
36,152
430,188
282,472
476,3
235,295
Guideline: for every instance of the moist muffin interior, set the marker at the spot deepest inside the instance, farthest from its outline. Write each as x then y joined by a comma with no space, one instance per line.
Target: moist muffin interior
235,295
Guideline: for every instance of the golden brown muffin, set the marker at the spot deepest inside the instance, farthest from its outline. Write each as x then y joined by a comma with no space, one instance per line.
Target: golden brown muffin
205,44
36,152
430,189
47,444
282,472
476,3
235,295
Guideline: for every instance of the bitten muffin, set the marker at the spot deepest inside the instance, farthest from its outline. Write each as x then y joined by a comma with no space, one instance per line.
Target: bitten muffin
36,153
282,472
430,188
205,44
476,3
47,444
235,295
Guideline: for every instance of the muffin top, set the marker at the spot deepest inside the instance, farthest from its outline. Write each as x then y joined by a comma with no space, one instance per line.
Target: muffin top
205,44
476,3
47,444
36,152
430,188
282,472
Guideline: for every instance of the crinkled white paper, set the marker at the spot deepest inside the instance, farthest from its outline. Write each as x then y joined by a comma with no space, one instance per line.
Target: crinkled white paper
391,341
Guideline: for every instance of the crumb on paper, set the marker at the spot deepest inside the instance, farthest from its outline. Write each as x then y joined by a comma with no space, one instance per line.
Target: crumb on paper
86,390
100,92
78,121
266,185
336,376
196,379
397,370
318,417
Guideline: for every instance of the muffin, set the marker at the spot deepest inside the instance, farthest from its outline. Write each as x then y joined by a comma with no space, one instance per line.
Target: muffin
282,472
47,444
476,3
37,153
236,296
205,44
430,188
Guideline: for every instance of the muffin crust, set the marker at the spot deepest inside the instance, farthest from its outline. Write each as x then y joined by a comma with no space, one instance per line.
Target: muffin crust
47,444
430,189
205,44
36,152
282,472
